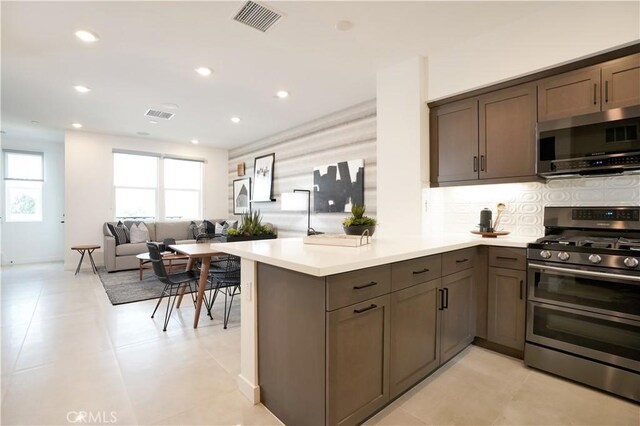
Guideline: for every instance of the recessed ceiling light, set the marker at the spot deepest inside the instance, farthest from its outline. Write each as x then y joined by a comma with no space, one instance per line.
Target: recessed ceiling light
235,119
282,94
344,25
143,133
204,71
77,125
82,89
194,141
87,36
153,122
169,105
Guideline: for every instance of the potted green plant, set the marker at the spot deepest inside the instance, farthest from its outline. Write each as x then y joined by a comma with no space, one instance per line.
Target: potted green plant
357,223
250,228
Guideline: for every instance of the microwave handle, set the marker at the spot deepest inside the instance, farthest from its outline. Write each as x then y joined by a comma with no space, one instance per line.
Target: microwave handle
580,272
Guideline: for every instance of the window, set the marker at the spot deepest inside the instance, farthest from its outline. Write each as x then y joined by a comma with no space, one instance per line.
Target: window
23,179
182,189
135,178
149,186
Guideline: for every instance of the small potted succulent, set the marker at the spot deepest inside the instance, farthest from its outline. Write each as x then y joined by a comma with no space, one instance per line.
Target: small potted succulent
357,223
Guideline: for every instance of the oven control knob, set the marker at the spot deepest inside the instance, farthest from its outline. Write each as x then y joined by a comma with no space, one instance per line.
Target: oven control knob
631,262
563,255
545,254
595,258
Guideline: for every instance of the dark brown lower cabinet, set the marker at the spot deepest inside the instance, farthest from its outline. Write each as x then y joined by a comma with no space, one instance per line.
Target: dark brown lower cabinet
506,307
357,360
414,335
457,327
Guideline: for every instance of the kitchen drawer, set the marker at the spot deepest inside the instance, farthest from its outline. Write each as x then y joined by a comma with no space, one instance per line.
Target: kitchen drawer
507,257
357,286
415,271
459,260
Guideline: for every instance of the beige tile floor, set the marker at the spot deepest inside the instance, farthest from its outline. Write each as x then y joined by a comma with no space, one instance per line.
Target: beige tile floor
66,349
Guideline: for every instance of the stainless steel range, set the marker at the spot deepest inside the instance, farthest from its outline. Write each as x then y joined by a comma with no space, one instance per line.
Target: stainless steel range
583,299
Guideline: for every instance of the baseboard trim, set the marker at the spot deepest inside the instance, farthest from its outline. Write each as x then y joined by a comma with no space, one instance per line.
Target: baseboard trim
483,343
248,389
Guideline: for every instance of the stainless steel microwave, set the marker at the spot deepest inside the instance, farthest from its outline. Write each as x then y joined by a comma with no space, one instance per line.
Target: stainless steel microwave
602,143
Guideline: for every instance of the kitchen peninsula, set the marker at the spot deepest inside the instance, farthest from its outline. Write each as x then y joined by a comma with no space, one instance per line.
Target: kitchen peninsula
330,335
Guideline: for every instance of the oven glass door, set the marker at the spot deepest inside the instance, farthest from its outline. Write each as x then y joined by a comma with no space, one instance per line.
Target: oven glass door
609,339
587,288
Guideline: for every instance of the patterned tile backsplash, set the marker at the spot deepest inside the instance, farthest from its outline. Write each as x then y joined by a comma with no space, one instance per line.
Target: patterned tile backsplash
457,209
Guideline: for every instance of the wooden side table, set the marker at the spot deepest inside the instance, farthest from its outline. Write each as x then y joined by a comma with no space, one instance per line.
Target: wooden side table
86,249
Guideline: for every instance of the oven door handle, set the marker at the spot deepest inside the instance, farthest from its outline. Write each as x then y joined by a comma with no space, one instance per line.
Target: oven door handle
584,273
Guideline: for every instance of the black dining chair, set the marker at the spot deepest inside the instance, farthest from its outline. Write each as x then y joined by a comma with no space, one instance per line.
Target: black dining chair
171,282
224,280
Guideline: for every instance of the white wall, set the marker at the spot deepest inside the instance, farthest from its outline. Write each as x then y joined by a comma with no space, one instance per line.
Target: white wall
402,145
559,32
89,183
31,242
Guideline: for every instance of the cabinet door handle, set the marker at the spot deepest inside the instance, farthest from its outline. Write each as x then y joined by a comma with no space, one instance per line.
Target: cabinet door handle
521,289
359,287
420,272
462,260
595,93
446,298
475,163
441,293
482,163
368,308
507,258
606,91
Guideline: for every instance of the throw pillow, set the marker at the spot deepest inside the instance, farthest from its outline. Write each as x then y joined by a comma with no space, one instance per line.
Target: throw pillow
232,224
119,232
211,228
221,228
193,230
139,233
202,228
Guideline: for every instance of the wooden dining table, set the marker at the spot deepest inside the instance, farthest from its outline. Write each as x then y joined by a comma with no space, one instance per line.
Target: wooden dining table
194,252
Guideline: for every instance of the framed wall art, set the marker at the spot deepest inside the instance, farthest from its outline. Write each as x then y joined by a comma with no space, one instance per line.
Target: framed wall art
263,178
242,196
338,186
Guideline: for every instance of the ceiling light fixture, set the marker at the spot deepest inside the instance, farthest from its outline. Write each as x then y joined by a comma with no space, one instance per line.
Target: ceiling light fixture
204,71
344,25
77,125
87,36
194,141
153,122
282,94
82,89
235,119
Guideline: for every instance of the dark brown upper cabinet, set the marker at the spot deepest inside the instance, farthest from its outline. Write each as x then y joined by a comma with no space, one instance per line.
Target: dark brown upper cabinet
475,139
572,93
454,146
507,139
613,84
621,81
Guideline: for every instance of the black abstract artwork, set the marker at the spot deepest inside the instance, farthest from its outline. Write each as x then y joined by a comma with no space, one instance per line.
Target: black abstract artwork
336,187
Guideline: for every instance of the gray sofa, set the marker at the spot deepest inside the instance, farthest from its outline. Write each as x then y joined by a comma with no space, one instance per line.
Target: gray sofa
123,256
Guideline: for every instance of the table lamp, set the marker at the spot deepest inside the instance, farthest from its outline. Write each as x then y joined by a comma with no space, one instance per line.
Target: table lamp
299,200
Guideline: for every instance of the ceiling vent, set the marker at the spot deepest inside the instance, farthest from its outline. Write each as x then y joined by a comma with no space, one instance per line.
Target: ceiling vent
257,16
159,114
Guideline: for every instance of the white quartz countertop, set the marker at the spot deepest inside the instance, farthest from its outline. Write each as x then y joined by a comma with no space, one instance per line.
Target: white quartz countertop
293,254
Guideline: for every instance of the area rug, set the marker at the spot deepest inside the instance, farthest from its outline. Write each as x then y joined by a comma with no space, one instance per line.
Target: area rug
126,286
